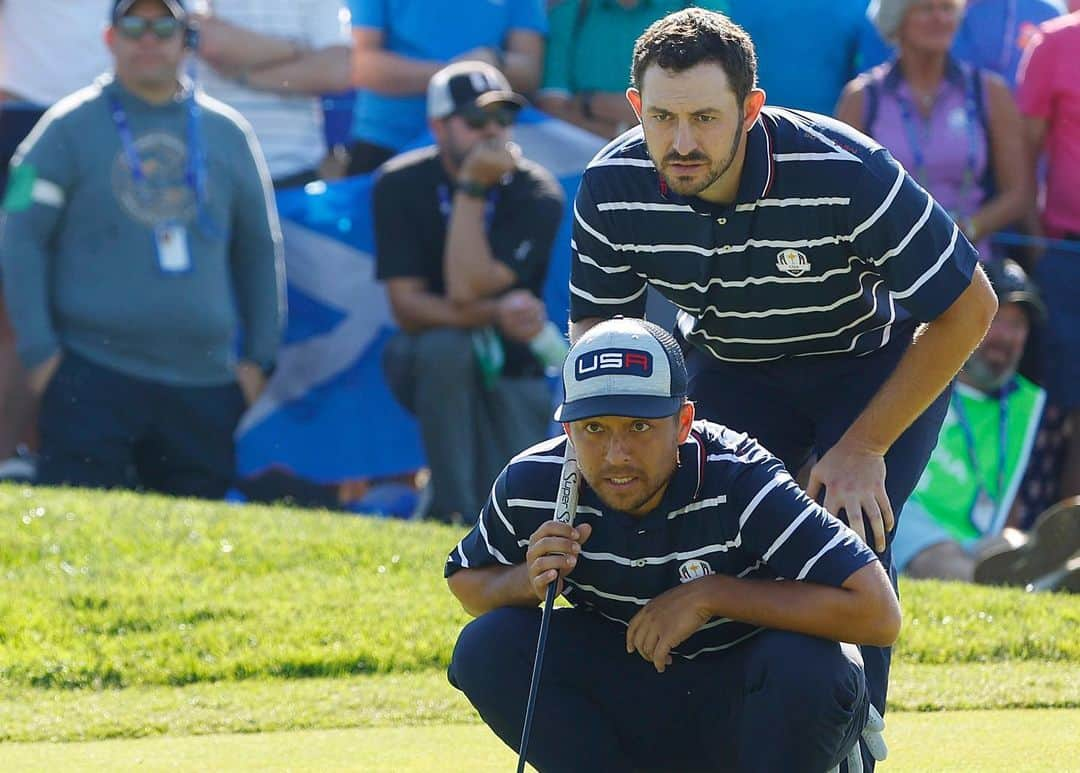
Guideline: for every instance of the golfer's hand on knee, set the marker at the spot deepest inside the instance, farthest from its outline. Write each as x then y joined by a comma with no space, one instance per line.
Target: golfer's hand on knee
553,554
854,484
667,621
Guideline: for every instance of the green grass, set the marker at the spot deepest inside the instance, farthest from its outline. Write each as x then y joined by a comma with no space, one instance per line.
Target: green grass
277,618
120,590
983,742
424,698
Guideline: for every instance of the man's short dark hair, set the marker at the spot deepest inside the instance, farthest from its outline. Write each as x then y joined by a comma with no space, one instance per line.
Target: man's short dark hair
689,37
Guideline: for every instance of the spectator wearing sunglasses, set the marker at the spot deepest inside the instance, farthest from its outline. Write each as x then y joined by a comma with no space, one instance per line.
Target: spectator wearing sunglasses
463,236
138,233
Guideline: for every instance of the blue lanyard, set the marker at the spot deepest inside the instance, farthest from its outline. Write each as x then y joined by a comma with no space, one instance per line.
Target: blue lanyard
969,438
907,115
194,172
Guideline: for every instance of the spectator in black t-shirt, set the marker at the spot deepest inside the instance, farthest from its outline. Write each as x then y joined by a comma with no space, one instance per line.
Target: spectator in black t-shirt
463,234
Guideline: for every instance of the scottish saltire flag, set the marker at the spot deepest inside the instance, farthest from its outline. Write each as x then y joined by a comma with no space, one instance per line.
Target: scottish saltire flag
327,414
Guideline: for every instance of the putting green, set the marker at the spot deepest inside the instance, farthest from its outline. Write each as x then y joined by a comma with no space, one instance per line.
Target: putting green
984,741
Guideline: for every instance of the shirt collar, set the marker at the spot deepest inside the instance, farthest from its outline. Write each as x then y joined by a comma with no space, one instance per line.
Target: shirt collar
759,167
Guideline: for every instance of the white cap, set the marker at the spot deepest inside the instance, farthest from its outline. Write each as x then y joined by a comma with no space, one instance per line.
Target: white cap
623,367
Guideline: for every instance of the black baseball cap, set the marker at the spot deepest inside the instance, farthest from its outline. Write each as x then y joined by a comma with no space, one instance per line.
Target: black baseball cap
175,7
1012,285
464,85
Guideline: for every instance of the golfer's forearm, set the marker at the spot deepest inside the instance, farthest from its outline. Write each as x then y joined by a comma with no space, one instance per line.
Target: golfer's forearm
482,590
935,357
864,611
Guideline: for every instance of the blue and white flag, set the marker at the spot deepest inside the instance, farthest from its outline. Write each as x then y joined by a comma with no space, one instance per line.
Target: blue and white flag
327,414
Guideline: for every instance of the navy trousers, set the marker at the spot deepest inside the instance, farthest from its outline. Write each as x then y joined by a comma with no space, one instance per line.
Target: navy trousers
777,702
800,407
104,429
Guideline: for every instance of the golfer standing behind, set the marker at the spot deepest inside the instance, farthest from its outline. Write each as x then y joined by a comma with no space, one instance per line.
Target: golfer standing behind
827,299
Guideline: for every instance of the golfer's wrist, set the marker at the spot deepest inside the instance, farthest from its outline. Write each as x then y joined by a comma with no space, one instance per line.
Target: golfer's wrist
714,590
527,595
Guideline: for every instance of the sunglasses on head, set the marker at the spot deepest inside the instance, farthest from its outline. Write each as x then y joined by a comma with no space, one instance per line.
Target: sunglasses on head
478,118
134,27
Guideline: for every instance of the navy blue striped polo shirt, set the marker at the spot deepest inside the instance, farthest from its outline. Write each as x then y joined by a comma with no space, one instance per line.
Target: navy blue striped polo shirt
829,248
731,508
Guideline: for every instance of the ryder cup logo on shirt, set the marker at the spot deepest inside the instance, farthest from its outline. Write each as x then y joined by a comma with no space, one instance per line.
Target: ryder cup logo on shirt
694,570
792,262
613,362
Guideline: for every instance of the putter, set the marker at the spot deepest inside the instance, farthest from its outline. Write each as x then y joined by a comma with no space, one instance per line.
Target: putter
566,499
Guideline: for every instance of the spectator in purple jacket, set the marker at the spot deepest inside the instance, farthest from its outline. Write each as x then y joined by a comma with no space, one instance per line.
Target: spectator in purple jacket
953,126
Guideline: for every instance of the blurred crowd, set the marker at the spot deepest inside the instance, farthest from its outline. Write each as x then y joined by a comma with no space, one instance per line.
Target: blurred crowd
142,143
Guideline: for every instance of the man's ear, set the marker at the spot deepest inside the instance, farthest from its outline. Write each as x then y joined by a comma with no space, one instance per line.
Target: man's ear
755,100
438,128
633,96
686,420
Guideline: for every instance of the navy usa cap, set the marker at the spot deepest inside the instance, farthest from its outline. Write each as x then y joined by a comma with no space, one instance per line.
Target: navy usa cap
623,367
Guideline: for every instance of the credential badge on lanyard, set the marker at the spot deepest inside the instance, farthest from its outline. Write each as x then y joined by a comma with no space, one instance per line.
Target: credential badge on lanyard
170,236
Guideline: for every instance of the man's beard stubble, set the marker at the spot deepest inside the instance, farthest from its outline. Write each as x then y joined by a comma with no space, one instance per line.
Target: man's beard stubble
661,482
716,171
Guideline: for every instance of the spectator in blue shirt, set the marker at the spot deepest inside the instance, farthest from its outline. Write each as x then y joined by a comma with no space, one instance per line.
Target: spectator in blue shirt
994,33
400,44
805,61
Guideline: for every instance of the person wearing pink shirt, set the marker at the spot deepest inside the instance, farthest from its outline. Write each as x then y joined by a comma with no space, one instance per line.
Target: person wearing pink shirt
1049,99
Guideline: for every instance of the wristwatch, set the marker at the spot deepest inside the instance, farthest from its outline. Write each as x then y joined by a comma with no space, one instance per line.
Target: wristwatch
472,189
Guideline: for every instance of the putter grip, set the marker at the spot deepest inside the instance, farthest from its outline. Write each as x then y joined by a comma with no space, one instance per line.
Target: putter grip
566,498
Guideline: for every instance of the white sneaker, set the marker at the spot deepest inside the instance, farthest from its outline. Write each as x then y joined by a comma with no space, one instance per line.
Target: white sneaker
873,738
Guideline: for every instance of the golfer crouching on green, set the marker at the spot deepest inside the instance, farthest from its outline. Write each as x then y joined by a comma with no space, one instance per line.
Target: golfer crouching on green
708,592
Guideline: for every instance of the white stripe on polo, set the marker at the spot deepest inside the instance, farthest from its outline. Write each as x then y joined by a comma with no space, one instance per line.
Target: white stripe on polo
933,269
595,299
788,531
47,193
840,537
841,201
